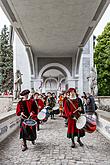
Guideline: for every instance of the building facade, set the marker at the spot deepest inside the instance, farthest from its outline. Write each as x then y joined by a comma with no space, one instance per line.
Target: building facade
54,74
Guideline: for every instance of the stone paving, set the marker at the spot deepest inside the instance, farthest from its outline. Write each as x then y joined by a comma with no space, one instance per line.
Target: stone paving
53,148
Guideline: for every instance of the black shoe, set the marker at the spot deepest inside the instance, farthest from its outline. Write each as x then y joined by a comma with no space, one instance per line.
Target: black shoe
33,142
73,145
24,148
38,129
80,143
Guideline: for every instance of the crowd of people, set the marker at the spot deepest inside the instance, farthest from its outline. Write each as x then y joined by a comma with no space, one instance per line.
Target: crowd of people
6,93
71,106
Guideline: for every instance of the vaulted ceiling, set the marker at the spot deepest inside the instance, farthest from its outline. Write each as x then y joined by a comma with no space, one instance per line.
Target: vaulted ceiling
54,27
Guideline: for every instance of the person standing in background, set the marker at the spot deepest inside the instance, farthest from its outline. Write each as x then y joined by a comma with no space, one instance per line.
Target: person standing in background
90,104
38,105
50,101
60,101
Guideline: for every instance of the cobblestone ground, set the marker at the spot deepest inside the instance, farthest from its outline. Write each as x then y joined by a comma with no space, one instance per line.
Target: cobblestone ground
53,148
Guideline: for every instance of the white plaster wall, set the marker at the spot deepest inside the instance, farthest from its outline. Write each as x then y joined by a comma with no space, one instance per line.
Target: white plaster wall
8,124
91,52
84,72
21,62
71,83
80,82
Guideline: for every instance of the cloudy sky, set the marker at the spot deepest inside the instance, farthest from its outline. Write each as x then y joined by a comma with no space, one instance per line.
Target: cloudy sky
3,19
102,23
98,30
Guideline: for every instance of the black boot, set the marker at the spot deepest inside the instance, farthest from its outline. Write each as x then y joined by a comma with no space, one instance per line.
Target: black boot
79,141
73,143
38,127
33,142
24,145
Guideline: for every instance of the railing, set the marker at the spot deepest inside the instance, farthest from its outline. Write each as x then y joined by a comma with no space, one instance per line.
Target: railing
104,103
8,123
8,119
104,115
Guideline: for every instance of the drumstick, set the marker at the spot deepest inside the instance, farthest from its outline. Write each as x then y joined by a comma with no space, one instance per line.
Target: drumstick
24,115
75,111
29,117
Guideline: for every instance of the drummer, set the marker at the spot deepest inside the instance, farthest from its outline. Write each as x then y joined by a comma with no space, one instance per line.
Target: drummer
60,101
37,105
24,109
70,105
50,101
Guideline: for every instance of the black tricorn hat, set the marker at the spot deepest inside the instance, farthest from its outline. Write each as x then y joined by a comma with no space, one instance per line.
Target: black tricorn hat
36,93
25,92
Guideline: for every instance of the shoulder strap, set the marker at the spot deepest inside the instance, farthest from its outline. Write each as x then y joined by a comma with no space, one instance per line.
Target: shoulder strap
36,103
72,104
68,103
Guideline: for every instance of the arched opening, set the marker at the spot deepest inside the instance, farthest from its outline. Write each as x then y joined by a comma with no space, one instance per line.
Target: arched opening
51,85
57,66
52,80
54,76
63,84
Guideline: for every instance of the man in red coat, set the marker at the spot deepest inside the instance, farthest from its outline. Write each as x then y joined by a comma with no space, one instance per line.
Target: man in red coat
37,105
24,109
70,106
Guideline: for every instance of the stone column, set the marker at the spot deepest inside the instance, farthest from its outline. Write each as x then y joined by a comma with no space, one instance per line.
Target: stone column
38,85
32,83
70,83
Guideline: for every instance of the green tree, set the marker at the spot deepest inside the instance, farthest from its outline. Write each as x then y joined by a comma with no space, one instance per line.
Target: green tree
102,61
6,61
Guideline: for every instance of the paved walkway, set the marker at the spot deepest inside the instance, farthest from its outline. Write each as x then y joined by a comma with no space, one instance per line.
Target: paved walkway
53,148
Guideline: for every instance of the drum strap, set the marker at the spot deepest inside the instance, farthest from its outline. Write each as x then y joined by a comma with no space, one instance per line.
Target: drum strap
37,105
73,105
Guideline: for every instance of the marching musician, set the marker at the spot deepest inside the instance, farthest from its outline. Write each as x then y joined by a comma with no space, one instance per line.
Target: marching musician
50,101
72,109
60,101
24,109
38,105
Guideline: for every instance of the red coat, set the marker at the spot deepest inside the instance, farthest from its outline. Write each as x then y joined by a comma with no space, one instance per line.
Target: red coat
25,107
40,103
26,132
35,104
69,109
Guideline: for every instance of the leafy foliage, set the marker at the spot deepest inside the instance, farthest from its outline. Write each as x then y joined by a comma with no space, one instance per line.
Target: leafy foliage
102,61
6,61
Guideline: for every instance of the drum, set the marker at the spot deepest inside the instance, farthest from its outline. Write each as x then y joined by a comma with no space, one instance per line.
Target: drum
81,122
30,122
46,111
28,130
86,122
41,115
56,110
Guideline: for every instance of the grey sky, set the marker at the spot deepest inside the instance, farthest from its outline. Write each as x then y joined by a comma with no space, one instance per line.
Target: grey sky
3,19
102,23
